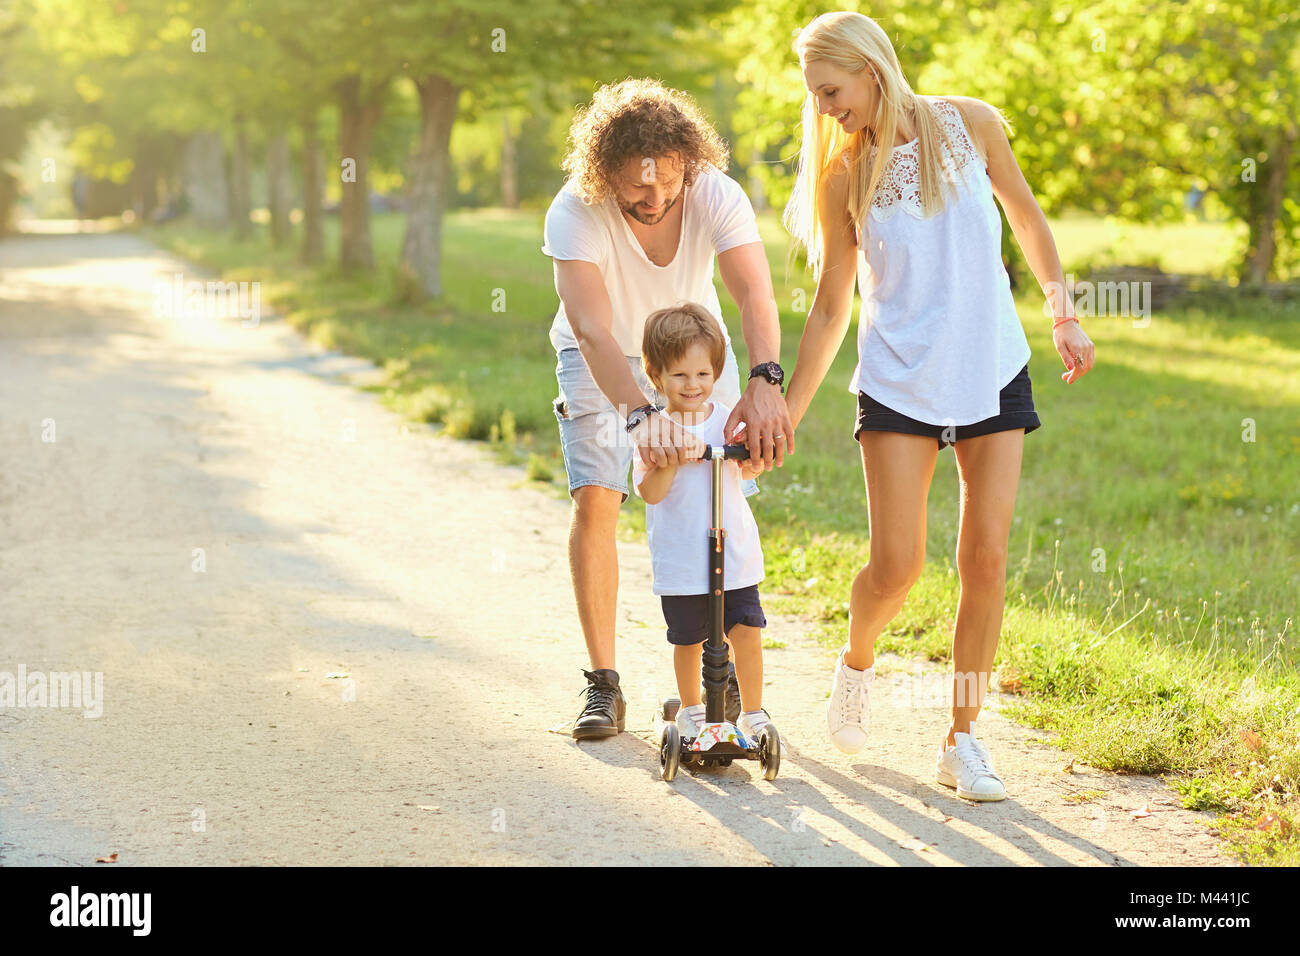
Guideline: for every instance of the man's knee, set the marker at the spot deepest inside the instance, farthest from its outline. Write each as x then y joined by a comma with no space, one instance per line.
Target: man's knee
596,503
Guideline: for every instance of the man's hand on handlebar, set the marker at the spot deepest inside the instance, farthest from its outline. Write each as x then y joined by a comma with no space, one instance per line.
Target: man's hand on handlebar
767,428
662,442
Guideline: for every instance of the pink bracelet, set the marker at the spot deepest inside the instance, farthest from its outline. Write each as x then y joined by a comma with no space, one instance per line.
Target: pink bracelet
1064,319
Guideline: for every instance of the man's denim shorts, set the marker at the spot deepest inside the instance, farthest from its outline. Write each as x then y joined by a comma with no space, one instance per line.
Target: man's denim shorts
687,615
1016,410
597,449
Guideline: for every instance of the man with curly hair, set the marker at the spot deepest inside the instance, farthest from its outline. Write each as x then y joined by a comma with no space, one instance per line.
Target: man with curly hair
646,208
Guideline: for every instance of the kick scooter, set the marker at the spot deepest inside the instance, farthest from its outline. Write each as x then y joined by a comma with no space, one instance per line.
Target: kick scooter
720,741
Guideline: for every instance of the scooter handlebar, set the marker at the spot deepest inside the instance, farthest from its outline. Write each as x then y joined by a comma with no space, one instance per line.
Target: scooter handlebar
729,452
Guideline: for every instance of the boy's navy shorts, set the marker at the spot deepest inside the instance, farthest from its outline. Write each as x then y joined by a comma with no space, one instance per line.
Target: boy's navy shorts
687,615
1016,410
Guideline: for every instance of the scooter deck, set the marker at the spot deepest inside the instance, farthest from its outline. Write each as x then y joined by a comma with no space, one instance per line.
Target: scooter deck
723,739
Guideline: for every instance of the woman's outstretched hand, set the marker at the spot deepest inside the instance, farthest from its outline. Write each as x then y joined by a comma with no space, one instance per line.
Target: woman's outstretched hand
1076,350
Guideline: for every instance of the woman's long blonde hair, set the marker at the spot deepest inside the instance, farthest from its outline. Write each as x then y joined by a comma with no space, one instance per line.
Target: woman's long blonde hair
852,42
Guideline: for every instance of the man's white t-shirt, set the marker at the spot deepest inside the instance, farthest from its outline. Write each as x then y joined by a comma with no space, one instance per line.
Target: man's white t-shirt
717,216
678,526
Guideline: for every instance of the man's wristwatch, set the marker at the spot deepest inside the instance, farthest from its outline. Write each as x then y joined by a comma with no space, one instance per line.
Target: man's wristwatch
772,372
640,414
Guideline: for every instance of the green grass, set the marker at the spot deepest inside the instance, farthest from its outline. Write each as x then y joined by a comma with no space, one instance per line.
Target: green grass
1190,247
1154,568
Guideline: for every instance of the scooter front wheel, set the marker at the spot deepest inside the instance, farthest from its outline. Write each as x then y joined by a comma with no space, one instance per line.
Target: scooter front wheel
670,752
769,752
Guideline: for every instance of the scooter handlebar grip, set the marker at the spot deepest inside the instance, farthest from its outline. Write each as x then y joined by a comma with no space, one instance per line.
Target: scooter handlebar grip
729,452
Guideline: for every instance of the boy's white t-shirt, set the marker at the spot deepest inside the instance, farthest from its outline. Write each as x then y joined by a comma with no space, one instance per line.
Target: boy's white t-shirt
717,216
678,526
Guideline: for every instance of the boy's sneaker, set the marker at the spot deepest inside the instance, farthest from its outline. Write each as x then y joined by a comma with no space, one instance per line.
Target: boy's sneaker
730,703
689,721
966,767
604,712
849,709
752,724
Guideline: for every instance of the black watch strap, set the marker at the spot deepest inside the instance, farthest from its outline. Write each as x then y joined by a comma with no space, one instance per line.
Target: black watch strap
772,372
639,414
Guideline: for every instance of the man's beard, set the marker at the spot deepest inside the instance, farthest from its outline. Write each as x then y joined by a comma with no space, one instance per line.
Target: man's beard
636,214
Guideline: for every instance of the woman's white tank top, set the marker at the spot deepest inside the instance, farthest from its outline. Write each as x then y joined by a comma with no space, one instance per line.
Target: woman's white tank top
938,333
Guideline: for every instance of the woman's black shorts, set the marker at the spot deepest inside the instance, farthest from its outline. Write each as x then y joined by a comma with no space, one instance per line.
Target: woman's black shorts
1016,411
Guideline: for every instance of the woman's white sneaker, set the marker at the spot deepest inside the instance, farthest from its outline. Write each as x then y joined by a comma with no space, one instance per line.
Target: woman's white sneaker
848,711
966,767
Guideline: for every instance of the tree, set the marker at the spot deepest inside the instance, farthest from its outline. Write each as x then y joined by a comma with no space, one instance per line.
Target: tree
20,103
503,52
1120,106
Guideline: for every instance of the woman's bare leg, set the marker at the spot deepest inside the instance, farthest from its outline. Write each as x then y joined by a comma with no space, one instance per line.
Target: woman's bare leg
989,467
897,469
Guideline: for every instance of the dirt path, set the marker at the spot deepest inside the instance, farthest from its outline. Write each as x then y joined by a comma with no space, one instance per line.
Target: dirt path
336,540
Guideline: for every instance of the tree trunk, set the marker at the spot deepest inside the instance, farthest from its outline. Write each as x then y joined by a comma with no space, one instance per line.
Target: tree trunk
241,199
8,199
1262,249
144,178
313,234
509,166
421,269
277,188
203,173
357,119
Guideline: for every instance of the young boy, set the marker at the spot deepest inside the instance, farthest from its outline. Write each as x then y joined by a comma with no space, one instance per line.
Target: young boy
683,352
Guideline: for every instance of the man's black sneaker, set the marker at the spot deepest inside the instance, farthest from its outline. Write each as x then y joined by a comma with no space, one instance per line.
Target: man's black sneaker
732,710
604,712
730,703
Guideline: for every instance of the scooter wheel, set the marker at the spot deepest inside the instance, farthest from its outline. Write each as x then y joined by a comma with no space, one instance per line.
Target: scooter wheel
670,752
769,752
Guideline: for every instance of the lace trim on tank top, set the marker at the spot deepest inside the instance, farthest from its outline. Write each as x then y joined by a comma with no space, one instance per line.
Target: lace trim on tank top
900,184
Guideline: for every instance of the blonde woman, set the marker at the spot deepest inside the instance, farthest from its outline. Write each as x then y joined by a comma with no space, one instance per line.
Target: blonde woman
896,191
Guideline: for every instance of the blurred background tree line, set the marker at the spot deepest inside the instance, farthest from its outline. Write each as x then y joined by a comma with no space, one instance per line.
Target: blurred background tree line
285,111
